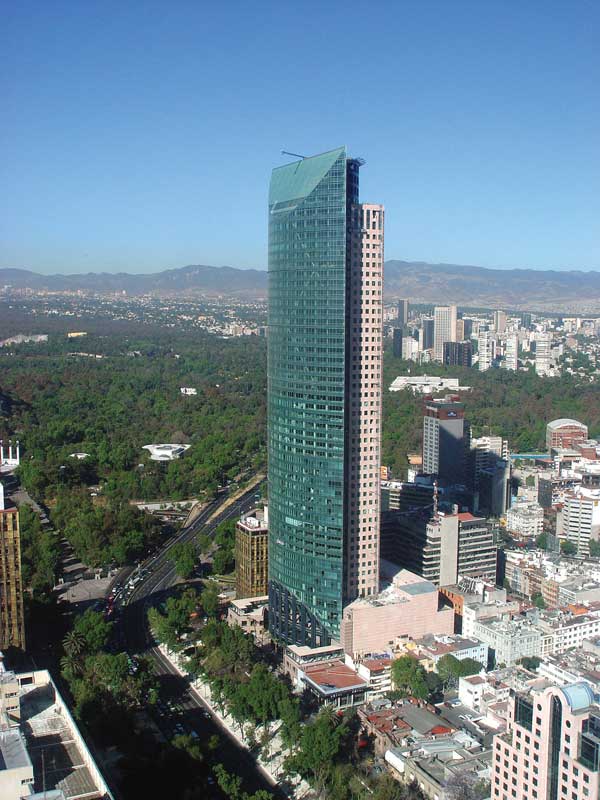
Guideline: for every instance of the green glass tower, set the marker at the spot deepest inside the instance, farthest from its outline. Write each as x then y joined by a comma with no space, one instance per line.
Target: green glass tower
315,235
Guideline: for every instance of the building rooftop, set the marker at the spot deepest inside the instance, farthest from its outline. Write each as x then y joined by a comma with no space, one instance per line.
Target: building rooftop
13,752
333,677
560,423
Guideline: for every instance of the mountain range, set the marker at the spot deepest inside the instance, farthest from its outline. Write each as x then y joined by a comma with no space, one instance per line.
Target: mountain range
421,282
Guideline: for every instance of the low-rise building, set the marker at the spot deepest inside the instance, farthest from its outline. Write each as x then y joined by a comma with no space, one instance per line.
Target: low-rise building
409,607
430,649
250,614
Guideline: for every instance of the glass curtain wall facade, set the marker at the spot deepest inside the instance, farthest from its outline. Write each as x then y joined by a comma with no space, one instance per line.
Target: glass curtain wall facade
306,393
324,395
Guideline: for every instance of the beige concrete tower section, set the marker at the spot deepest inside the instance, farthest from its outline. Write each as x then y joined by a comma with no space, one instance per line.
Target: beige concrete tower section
365,363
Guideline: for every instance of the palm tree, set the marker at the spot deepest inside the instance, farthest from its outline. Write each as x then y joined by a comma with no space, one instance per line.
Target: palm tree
74,643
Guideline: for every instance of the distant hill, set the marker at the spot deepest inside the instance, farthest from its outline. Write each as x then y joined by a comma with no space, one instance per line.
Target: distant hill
419,281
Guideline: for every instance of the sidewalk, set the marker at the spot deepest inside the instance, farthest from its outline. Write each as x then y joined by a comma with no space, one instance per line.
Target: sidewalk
272,765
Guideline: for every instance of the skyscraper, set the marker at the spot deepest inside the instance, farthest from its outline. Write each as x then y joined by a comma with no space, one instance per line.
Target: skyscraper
444,451
402,312
486,349
458,354
444,329
499,322
12,625
397,342
511,352
543,353
324,395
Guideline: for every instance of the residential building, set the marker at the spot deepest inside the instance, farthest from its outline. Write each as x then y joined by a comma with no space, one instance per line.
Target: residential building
485,452
477,692
565,433
525,520
543,354
324,395
551,749
409,607
486,350
249,614
42,751
403,312
511,353
509,640
444,439
12,623
460,329
578,518
444,329
430,649
252,554
458,354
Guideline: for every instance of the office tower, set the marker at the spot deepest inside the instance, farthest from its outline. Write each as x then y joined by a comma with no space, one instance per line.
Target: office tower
526,320
486,348
551,747
441,547
485,450
12,624
458,354
443,439
252,554
511,352
499,321
402,313
543,353
444,329
467,328
460,330
324,395
428,326
397,342
565,433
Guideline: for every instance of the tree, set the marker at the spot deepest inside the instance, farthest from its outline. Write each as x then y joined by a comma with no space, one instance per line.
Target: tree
183,556
408,676
538,601
318,748
567,548
542,541
209,600
92,630
530,662
594,548
466,786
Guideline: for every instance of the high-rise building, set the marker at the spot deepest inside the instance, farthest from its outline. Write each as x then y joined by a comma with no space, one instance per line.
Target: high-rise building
511,352
428,328
441,547
460,329
252,554
551,747
543,353
324,395
467,327
458,354
444,329
402,313
397,342
444,439
486,349
499,321
578,518
12,624
526,320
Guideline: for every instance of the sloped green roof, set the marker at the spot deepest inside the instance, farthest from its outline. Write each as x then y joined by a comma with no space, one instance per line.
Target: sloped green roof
292,182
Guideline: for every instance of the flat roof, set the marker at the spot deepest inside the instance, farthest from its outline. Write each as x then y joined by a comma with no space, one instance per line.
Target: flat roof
333,676
13,753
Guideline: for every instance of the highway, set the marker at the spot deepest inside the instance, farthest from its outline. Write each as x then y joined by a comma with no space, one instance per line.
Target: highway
181,710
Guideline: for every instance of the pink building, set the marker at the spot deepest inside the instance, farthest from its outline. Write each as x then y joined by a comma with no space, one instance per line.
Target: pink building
365,362
409,607
551,748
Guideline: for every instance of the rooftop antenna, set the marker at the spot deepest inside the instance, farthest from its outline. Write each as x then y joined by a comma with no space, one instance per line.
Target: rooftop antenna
435,499
294,155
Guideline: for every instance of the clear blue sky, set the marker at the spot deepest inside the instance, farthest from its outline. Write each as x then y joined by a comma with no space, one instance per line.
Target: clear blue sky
140,136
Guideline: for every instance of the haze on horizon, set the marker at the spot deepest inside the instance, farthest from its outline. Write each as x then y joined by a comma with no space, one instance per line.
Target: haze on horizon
140,137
